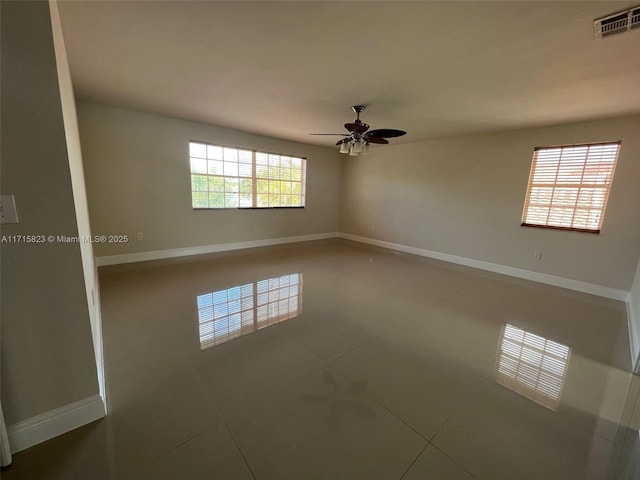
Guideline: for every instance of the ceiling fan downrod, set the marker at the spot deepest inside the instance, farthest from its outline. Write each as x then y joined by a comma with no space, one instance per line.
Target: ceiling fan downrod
357,109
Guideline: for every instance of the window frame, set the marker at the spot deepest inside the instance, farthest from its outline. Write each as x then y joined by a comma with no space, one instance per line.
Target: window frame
578,186
254,178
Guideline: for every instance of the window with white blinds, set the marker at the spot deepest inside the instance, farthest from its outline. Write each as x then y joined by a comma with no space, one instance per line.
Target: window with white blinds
532,366
230,313
569,186
223,177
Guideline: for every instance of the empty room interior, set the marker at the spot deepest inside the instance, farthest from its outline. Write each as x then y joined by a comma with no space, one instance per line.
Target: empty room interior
262,240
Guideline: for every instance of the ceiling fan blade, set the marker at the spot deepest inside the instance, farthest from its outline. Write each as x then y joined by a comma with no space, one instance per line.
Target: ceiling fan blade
358,127
387,133
339,134
372,139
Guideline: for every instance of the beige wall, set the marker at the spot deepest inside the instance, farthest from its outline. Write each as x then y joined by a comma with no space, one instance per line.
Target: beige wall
137,173
47,355
72,136
464,196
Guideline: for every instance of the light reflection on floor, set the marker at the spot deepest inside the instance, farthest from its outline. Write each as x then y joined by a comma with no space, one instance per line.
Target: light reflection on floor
230,313
395,369
533,366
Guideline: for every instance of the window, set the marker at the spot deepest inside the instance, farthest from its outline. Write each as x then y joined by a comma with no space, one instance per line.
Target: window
569,186
532,366
223,177
226,314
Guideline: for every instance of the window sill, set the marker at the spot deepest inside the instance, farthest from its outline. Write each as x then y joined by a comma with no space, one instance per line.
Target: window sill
569,229
250,208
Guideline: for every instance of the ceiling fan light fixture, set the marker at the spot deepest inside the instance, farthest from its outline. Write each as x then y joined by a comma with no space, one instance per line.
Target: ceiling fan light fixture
359,138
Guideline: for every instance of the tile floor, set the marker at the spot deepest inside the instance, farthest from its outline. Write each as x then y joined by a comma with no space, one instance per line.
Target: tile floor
334,360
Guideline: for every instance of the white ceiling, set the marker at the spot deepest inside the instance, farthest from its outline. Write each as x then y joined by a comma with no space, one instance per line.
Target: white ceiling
286,69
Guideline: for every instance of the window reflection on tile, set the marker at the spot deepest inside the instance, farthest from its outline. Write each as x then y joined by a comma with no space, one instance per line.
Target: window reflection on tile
532,366
226,314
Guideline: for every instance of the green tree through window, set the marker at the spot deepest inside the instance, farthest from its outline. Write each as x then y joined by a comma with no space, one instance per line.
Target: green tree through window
224,177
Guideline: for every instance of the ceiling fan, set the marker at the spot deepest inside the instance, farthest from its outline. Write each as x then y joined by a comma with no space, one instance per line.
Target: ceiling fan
357,141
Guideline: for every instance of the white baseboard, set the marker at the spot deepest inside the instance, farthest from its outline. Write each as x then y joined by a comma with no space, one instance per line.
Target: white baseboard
221,247
43,427
568,283
40,428
584,287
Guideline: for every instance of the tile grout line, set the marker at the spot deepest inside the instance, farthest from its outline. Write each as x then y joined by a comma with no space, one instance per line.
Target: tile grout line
454,461
414,461
402,421
127,474
438,429
451,295
324,362
368,340
239,450
329,361
385,407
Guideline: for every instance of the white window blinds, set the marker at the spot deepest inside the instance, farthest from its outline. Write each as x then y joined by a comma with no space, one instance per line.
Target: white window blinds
569,186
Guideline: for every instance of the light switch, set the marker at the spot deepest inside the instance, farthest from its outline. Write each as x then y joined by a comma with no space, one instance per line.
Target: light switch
8,212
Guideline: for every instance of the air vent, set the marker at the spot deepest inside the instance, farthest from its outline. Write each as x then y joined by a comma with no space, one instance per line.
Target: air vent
617,22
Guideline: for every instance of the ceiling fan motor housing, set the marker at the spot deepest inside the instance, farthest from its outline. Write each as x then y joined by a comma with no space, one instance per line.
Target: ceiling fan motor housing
359,137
